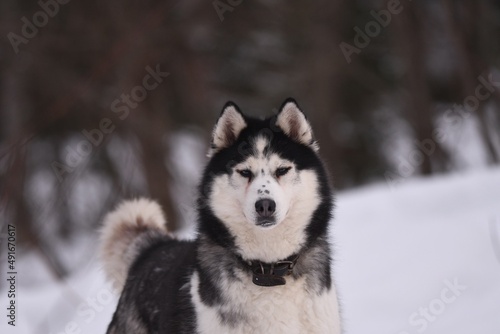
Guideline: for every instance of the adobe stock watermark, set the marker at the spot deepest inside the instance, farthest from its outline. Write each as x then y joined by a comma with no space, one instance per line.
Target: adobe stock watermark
455,117
372,29
75,156
223,6
421,319
30,28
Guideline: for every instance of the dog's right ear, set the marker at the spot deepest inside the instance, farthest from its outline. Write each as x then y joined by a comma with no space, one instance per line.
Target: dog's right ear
228,127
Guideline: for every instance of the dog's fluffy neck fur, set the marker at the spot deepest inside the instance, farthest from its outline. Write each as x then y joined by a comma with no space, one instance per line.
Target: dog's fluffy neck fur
313,262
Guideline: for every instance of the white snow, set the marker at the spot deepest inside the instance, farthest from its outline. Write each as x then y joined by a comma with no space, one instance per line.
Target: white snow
396,248
397,252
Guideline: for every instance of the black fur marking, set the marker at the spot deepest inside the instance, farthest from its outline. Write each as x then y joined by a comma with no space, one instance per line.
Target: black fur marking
314,263
230,104
266,191
213,228
287,100
214,264
152,299
266,150
290,100
208,290
231,318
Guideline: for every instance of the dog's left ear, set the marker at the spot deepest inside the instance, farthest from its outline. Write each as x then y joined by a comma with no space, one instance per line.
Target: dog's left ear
228,127
294,124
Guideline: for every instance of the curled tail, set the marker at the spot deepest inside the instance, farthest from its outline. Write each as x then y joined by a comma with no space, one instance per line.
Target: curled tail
127,231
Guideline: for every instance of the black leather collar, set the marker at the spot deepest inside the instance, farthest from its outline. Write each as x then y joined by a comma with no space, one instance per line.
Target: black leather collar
271,274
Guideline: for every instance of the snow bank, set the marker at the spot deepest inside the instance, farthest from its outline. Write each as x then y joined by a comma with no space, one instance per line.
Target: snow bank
399,250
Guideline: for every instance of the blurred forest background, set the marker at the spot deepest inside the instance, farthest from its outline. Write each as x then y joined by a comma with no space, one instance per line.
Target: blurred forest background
413,93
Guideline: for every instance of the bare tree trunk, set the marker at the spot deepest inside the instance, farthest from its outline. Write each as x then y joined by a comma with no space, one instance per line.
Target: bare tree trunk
463,35
13,198
154,158
412,48
321,70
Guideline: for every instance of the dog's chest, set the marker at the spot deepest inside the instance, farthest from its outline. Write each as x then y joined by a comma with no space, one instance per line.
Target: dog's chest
248,308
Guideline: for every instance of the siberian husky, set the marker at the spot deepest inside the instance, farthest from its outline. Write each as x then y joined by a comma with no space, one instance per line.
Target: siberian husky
261,262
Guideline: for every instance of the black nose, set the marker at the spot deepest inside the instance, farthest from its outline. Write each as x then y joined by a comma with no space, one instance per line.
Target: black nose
265,207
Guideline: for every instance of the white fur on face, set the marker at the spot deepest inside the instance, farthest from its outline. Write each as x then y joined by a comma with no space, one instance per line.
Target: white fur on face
233,199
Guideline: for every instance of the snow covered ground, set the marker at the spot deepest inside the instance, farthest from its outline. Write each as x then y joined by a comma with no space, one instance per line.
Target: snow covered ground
422,257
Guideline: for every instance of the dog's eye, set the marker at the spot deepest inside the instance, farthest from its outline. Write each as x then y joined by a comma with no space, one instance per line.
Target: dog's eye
246,173
282,171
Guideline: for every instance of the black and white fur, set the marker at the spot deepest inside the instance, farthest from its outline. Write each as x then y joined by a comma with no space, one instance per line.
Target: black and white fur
205,286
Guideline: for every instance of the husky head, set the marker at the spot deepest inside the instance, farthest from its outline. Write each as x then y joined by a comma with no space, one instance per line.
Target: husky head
265,192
